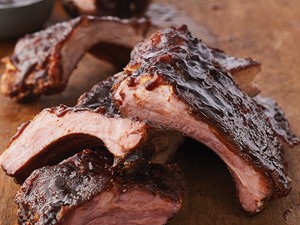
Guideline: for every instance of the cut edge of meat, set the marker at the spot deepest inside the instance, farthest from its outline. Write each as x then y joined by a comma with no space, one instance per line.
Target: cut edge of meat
88,180
64,128
155,210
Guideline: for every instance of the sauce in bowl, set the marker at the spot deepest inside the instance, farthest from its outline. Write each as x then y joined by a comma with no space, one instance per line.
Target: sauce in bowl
17,3
11,1
18,17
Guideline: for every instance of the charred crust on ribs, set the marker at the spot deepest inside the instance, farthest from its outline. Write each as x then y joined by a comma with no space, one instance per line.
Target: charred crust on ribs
56,194
175,59
42,62
99,98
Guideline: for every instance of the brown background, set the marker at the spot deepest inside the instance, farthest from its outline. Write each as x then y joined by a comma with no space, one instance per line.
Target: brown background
266,30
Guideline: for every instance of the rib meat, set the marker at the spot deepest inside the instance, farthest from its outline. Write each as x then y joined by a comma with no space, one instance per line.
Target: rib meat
43,62
166,142
85,189
119,8
172,82
59,132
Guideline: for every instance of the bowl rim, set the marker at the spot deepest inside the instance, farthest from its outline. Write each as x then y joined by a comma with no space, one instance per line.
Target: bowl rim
19,4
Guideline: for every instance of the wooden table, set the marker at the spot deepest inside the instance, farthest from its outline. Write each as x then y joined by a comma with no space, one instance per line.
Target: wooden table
266,30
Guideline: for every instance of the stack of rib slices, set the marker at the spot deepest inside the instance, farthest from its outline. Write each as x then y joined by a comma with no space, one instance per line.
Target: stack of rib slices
106,159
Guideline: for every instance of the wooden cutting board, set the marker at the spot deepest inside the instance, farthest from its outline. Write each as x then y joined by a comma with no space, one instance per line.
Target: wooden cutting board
268,31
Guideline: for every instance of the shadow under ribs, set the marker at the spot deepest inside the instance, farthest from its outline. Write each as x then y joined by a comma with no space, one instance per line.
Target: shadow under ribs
172,82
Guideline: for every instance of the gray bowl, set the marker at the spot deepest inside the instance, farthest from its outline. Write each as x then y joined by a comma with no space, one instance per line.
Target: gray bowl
23,17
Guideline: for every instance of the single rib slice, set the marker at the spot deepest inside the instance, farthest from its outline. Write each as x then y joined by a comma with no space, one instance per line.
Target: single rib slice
85,189
43,62
172,83
58,132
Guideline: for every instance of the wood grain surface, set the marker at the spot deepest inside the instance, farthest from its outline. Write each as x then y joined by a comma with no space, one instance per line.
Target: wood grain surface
268,31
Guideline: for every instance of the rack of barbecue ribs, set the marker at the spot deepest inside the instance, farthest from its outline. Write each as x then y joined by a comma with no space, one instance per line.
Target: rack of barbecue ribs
133,122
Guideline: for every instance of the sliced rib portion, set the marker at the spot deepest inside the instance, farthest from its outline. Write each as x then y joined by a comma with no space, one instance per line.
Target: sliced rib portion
119,8
59,132
43,62
276,116
85,189
171,83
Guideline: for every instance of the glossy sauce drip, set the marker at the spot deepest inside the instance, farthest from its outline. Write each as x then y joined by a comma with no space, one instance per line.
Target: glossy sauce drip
154,83
131,82
62,110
